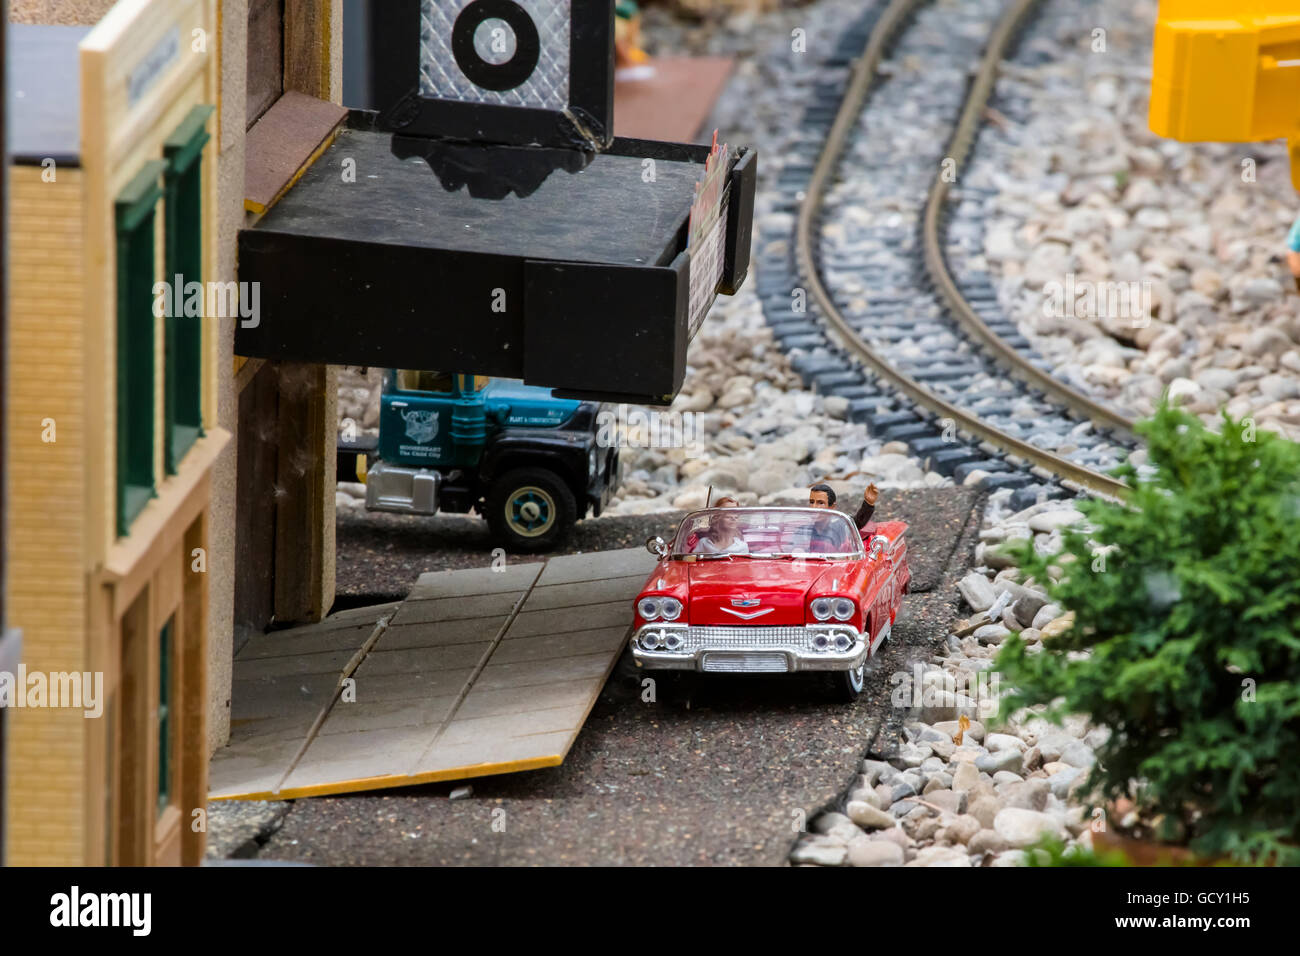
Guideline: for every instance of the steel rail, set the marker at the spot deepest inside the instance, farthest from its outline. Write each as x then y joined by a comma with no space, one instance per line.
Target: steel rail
860,84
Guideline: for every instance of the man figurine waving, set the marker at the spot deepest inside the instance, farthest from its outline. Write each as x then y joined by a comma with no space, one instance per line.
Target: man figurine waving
826,534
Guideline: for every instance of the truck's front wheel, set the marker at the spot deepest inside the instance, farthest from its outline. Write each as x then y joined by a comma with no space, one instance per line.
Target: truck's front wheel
530,509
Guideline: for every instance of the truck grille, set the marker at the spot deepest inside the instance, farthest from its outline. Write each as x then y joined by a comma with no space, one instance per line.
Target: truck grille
745,662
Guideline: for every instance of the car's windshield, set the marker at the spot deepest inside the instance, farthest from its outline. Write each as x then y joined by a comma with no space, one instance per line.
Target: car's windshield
767,532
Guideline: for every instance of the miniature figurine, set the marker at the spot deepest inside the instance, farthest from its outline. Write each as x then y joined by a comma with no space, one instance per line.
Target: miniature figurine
627,34
693,542
1293,252
723,535
823,496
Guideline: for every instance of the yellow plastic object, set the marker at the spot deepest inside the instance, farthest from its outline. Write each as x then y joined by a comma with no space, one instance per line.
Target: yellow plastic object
1228,70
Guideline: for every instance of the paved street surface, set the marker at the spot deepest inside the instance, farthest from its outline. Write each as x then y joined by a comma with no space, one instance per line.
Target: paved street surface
716,770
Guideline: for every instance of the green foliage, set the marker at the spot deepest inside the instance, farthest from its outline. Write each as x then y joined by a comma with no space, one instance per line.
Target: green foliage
1052,851
1192,620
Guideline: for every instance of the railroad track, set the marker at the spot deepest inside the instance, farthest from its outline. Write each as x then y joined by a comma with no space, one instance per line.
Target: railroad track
922,332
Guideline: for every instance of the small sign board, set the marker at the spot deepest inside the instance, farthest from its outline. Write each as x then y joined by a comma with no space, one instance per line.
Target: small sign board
706,242
166,51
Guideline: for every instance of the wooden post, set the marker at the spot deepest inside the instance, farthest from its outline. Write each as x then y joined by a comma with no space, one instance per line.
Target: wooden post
304,492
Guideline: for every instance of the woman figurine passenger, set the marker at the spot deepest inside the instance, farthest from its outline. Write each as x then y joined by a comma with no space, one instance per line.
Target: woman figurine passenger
723,536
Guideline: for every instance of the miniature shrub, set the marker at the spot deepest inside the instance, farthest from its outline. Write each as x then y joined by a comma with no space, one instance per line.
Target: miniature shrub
1052,851
1188,601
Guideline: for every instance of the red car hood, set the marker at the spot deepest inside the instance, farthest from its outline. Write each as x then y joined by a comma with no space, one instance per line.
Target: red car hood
721,590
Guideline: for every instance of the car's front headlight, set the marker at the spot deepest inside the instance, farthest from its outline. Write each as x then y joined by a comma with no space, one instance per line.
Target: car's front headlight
843,609
821,609
653,608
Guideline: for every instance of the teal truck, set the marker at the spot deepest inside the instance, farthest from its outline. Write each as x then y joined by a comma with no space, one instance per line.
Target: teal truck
529,463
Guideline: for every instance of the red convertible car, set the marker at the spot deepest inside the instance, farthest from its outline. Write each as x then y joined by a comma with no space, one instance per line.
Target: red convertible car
771,590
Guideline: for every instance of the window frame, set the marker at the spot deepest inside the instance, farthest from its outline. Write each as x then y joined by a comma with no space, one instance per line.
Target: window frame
135,220
164,791
402,382
183,182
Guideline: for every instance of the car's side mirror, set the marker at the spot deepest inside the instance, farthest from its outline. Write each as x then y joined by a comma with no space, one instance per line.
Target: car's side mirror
657,546
878,543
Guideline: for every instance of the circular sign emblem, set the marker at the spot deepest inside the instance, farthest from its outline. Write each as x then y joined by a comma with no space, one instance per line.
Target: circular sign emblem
510,44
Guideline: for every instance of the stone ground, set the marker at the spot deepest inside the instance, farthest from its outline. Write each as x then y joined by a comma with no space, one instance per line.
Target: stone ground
1084,192
715,771
976,798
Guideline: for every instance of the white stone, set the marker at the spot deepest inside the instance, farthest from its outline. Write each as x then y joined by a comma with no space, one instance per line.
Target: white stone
819,852
868,817
997,742
977,591
1022,828
1051,520
867,852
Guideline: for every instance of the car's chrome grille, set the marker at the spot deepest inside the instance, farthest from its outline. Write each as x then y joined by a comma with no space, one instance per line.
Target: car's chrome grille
697,638
745,662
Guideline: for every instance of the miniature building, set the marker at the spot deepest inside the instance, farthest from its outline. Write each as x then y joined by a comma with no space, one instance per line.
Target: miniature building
266,525
110,431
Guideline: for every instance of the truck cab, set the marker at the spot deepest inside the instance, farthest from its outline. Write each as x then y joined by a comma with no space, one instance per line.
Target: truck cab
527,462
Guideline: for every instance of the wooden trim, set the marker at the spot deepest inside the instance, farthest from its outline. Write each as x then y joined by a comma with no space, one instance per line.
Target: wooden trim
103,745
167,834
284,143
192,702
401,780
263,66
163,521
248,370
133,805
308,40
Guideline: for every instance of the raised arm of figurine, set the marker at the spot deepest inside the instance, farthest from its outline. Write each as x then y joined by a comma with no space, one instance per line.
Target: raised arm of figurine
868,506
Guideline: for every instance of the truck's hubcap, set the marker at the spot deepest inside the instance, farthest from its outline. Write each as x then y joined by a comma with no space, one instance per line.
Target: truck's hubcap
530,511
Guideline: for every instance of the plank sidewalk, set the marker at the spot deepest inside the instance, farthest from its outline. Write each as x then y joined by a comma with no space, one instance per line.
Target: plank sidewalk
476,672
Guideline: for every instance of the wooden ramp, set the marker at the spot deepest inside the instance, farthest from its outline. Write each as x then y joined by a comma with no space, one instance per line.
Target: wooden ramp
477,672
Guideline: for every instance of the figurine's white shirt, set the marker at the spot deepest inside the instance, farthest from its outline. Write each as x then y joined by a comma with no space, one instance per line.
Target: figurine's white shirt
706,546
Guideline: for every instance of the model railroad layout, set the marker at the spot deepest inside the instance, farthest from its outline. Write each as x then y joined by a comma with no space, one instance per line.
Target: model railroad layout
923,351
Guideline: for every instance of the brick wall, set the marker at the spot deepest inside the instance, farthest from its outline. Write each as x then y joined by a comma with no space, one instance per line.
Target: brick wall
44,544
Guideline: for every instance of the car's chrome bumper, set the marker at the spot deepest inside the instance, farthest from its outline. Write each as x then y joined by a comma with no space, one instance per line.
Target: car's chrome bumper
748,650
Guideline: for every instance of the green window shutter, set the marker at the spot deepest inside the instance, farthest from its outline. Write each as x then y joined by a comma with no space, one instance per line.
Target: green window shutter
164,715
134,213
183,350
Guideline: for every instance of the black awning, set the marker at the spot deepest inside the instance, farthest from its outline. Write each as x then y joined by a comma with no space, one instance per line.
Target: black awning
564,269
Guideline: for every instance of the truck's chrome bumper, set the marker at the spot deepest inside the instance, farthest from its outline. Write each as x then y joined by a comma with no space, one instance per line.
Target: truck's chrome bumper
403,490
748,649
